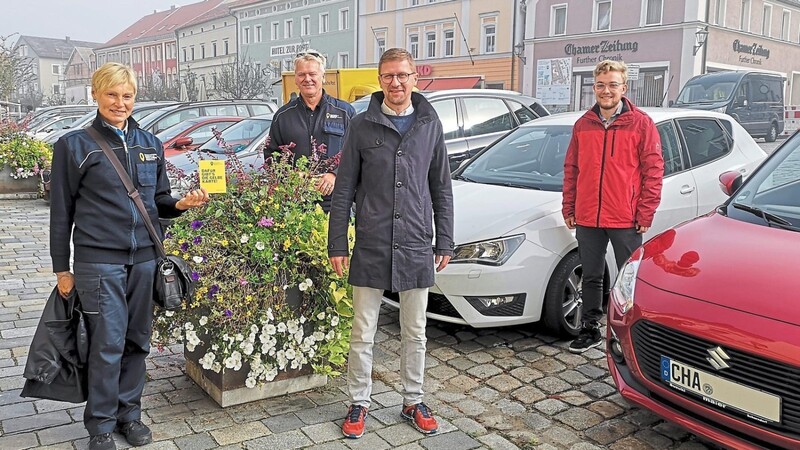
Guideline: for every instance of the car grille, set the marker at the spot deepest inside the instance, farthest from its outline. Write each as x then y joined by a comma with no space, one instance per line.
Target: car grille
437,304
651,341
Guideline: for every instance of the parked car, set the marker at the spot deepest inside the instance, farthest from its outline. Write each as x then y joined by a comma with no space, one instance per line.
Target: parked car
192,133
139,110
36,117
474,118
51,124
704,319
754,99
516,262
164,118
244,138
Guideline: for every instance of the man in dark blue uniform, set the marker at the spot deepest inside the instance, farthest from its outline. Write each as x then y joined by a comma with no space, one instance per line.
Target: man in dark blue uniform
312,119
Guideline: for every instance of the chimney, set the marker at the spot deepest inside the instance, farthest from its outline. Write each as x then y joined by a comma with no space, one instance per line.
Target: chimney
67,39
172,6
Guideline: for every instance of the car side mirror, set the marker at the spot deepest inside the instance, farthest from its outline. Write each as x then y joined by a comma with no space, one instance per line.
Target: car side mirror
183,141
730,181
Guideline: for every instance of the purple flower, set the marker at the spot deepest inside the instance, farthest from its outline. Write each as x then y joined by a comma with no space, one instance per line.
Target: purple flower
266,222
195,276
196,224
184,247
197,240
228,313
242,282
212,291
167,235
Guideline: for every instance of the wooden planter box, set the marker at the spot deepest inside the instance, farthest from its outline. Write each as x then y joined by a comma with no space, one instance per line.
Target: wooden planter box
25,188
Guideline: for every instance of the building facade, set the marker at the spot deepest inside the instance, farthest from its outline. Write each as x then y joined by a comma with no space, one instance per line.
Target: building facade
664,46
78,76
456,43
271,33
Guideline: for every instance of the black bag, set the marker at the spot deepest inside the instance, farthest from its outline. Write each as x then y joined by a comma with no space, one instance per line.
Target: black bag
173,284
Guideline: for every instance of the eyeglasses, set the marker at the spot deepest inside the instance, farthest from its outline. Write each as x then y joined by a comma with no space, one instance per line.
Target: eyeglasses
314,54
611,86
401,77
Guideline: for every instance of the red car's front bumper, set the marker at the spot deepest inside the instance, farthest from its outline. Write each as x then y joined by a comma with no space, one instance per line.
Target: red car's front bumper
703,324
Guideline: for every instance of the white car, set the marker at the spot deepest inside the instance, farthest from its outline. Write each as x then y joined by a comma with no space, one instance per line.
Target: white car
516,262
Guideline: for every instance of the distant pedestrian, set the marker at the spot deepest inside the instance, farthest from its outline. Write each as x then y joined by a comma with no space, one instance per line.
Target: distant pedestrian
313,117
612,186
394,166
115,258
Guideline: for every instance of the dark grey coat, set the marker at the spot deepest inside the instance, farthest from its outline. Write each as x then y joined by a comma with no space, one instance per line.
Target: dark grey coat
396,183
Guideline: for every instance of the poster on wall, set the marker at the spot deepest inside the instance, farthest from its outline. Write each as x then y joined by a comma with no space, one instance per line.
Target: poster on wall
553,80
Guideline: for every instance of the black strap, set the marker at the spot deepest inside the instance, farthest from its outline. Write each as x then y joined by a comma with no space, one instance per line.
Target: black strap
132,192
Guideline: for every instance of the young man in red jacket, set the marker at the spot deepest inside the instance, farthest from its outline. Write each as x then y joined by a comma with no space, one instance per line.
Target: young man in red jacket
612,185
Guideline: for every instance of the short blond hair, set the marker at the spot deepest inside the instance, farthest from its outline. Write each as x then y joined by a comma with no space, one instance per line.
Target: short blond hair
112,74
612,66
311,55
397,54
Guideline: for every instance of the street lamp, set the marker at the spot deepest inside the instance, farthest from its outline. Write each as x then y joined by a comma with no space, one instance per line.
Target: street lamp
519,51
700,38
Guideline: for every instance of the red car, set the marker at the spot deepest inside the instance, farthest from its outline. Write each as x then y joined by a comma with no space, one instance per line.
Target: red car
192,133
704,319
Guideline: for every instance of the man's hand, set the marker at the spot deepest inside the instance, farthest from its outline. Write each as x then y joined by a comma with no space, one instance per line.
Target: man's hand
570,221
441,262
66,283
641,229
193,199
340,264
325,184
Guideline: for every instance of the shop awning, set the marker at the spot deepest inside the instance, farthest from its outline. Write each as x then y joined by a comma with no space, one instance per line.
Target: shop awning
439,84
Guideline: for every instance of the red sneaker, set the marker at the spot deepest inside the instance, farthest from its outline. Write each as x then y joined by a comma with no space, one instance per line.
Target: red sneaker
421,417
353,426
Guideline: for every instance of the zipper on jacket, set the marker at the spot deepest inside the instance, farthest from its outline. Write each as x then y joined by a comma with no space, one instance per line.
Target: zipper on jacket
613,142
131,204
602,172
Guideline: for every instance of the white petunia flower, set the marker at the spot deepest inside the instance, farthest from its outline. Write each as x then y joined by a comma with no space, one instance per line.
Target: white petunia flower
247,347
334,321
197,259
188,326
203,320
282,327
290,353
169,313
250,382
321,316
260,246
244,238
303,286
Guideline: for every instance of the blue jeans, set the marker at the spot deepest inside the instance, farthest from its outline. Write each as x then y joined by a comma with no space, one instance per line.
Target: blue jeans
117,302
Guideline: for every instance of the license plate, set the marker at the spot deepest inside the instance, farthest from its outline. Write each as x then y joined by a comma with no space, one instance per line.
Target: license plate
753,403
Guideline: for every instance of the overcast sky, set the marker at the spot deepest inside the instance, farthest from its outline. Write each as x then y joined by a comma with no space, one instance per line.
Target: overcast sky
84,20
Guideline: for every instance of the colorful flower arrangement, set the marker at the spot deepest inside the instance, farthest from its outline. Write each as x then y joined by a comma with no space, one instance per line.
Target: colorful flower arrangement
266,297
23,155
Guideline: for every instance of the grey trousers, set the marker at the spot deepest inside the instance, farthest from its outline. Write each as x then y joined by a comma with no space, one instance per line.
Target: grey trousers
366,308
592,244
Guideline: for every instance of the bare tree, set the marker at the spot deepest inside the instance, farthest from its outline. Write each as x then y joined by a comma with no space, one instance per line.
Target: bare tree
157,89
242,79
190,82
17,72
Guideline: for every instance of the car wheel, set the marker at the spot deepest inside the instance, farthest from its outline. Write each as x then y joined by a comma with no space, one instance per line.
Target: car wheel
563,301
772,134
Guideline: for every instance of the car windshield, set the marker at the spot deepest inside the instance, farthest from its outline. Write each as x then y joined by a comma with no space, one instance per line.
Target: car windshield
174,130
361,104
238,135
772,193
704,90
529,157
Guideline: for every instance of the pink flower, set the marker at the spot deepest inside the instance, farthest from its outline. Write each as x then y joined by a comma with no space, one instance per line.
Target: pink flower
266,222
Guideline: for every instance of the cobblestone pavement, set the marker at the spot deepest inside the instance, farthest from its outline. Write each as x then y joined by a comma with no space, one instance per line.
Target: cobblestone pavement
499,388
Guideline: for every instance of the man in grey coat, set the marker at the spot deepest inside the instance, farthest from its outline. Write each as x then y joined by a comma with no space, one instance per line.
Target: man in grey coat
394,166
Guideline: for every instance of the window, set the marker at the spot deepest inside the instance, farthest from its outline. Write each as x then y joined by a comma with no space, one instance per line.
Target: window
288,28
305,26
449,42
287,65
602,15
785,24
381,6
489,38
55,68
344,60
413,3
523,113
719,13
259,35
191,52
380,43
744,18
56,89
670,148
158,53
202,51
705,140
344,19
413,45
486,115
213,49
766,21
246,35
273,34
183,49
430,44
446,110
653,13
225,46
323,23
558,20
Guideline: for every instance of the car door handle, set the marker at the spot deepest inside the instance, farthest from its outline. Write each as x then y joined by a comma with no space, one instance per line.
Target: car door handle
686,189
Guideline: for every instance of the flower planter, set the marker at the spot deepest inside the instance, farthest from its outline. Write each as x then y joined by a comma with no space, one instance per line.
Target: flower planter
27,188
227,388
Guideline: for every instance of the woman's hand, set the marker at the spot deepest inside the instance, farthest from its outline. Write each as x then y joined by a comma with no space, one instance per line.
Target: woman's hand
325,183
66,283
193,199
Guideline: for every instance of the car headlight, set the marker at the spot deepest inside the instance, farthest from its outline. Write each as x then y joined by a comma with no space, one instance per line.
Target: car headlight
625,285
721,109
494,252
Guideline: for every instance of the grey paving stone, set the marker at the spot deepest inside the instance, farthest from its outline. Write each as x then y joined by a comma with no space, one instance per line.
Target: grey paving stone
386,416
17,410
509,407
461,363
469,426
19,441
606,409
549,365
598,389
370,441
323,432
43,406
485,394
668,429
455,440
585,446
240,433
528,394
284,422
202,441
496,442
610,431
551,406
484,371
170,412
480,357
210,421
400,434
64,433
322,413
575,398
461,383
36,422
170,430
184,395
282,405
579,418
442,372
285,440
504,382
653,438
552,385
387,399
471,407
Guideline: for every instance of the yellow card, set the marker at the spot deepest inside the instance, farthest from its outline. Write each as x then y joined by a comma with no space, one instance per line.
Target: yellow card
212,176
